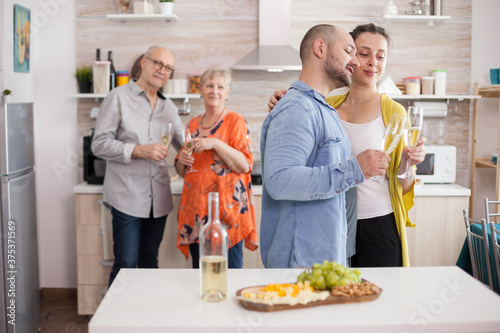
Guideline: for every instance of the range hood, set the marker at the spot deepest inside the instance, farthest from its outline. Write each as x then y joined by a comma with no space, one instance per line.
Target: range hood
274,52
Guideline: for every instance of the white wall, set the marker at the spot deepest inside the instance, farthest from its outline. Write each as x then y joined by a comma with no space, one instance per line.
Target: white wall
48,85
485,55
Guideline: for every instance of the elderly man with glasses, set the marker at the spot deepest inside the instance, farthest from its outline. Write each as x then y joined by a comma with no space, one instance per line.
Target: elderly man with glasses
129,127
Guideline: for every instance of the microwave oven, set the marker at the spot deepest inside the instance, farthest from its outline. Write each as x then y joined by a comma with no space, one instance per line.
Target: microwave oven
439,166
94,167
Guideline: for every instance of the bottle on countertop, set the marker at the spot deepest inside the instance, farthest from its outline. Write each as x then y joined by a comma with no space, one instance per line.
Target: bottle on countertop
112,72
98,54
213,254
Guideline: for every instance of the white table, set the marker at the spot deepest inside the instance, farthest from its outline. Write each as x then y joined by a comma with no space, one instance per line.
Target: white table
418,299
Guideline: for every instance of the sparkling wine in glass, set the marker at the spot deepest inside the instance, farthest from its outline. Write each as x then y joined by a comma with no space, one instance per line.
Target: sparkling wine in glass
412,134
188,144
392,135
166,137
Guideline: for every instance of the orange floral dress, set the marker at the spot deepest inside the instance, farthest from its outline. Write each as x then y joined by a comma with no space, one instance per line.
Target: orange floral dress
210,174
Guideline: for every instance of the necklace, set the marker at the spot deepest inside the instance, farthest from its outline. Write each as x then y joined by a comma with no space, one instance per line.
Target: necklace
215,122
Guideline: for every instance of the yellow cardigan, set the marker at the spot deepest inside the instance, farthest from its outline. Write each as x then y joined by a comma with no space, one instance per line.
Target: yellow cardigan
401,204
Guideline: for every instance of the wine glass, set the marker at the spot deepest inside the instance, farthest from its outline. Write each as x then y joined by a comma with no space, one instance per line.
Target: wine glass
188,145
412,134
392,135
166,137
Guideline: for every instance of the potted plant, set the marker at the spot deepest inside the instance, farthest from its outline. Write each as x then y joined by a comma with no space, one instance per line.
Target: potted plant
84,78
7,96
166,6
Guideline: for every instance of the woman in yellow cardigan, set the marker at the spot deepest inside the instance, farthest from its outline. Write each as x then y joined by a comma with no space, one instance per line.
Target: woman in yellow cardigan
382,209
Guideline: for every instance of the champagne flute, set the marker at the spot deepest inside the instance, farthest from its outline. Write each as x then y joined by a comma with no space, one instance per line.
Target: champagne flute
392,135
188,146
412,134
166,137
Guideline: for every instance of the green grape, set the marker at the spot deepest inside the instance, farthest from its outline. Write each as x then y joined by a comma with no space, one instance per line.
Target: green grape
329,274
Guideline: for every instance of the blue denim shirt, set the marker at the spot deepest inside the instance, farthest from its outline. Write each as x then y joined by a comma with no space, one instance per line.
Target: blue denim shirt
306,169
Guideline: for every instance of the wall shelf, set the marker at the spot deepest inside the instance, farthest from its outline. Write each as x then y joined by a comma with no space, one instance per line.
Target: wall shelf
492,91
429,19
143,17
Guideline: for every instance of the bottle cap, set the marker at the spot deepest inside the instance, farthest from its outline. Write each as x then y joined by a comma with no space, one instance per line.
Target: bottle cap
439,70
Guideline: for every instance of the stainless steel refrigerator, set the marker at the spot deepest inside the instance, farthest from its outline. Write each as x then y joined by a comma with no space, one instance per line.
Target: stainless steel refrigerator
20,290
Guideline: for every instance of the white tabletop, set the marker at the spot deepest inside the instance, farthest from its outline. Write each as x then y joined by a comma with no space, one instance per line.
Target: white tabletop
417,299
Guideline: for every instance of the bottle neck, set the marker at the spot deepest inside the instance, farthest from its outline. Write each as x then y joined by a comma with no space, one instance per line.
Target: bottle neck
213,207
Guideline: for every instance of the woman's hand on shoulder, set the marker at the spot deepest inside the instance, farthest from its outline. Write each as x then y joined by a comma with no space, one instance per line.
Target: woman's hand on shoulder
278,94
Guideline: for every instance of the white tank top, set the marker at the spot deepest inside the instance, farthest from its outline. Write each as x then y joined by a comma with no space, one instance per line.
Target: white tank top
373,199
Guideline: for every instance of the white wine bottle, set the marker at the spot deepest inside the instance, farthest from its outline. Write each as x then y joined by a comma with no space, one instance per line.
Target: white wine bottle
213,254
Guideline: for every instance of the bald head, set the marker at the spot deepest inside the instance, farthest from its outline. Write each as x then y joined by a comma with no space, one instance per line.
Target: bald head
328,33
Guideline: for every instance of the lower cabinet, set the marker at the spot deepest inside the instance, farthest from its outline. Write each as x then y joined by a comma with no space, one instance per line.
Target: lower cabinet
436,241
92,271
440,231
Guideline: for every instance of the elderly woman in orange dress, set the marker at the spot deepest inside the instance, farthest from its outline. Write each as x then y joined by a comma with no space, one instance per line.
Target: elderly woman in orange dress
219,160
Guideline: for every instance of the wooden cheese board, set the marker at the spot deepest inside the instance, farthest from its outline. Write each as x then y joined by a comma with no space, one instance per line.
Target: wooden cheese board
331,299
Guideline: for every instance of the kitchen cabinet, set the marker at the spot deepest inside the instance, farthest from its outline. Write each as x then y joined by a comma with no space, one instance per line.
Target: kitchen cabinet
485,92
439,233
436,241
92,272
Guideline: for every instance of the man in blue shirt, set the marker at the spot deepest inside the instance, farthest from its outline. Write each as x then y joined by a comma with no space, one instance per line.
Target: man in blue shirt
306,160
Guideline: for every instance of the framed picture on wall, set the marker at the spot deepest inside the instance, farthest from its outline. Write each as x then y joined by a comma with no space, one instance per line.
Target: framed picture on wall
21,39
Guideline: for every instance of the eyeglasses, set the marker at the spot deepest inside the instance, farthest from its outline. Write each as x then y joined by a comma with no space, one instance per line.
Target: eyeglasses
159,66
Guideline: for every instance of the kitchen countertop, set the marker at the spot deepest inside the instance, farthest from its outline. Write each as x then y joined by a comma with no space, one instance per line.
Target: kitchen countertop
415,299
426,190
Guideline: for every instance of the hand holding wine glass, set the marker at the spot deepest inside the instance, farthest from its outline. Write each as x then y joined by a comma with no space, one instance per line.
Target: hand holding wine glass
412,134
392,135
166,137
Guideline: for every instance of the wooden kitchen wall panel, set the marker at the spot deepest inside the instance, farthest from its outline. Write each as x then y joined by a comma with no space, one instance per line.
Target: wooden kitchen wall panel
416,49
337,8
196,44
220,9
96,7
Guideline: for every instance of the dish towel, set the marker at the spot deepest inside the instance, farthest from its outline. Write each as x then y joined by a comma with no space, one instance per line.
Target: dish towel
107,233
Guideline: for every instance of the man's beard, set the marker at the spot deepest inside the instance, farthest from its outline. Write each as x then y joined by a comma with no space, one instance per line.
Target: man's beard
335,73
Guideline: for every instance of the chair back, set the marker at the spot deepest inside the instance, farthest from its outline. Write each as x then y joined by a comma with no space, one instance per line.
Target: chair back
496,248
478,250
492,211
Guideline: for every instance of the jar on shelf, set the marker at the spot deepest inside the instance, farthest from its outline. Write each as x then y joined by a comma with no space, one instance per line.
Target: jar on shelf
144,7
121,78
427,85
439,81
412,85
